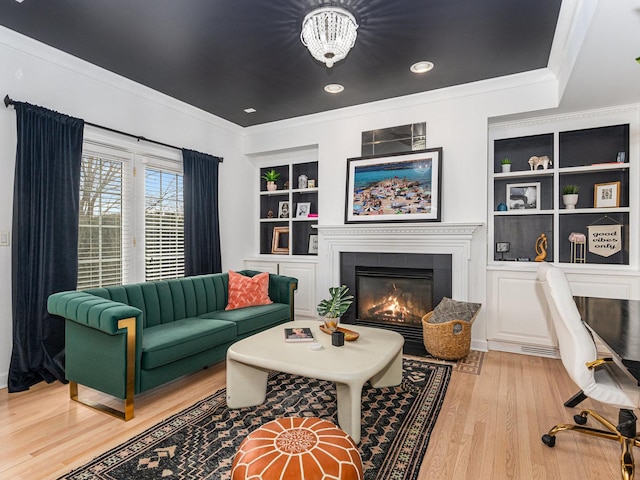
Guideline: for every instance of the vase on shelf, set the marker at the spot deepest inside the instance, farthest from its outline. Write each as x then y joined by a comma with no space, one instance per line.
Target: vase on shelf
570,201
271,186
506,167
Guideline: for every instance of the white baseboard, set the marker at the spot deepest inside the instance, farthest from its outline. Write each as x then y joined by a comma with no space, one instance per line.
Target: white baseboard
479,345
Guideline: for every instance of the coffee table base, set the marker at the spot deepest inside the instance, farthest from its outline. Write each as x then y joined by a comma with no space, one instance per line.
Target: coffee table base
247,386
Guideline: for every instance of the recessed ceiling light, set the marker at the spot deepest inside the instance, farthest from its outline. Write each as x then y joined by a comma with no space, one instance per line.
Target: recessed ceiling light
334,88
421,67
250,110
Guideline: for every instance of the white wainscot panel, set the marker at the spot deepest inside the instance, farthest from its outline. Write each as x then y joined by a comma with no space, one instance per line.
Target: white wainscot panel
305,302
605,286
518,312
260,266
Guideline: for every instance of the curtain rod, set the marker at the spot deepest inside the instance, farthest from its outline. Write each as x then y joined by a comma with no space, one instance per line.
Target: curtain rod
8,101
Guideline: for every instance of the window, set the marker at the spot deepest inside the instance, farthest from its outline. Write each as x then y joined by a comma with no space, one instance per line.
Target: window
164,225
100,232
131,226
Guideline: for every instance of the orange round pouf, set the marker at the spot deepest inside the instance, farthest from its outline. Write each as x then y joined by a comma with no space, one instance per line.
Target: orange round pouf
297,448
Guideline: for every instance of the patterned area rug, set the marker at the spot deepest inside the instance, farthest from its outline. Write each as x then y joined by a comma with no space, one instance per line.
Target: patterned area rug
200,442
471,364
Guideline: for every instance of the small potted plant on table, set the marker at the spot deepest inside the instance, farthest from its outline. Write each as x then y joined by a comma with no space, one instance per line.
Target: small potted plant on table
335,306
271,178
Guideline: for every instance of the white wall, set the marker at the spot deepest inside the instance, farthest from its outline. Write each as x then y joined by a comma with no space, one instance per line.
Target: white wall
457,121
40,75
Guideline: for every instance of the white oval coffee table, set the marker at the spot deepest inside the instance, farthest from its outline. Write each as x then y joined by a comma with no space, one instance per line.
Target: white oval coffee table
375,356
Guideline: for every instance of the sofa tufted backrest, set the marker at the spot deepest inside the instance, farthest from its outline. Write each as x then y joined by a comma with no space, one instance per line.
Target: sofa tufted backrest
170,300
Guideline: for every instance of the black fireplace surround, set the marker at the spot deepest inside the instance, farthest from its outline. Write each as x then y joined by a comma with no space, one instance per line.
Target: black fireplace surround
436,265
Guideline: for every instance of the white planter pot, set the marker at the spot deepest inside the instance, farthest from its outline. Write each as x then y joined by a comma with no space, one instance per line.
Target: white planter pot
570,201
506,168
271,186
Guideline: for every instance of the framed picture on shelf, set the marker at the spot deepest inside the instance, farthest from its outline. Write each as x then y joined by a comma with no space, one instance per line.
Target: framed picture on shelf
280,240
606,195
283,210
302,209
523,196
395,188
313,244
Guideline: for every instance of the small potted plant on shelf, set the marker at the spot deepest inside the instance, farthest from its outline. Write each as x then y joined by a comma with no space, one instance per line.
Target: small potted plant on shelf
271,178
506,165
335,306
570,196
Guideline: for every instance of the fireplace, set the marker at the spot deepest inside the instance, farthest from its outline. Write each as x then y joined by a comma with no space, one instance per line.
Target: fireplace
393,296
394,291
444,248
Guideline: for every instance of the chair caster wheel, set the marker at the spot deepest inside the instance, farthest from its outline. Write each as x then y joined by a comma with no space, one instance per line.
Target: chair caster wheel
548,440
579,419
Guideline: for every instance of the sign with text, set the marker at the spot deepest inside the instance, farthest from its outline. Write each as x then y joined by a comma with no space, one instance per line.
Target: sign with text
605,240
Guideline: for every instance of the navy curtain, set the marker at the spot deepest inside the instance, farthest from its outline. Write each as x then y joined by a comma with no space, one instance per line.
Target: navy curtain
201,221
44,255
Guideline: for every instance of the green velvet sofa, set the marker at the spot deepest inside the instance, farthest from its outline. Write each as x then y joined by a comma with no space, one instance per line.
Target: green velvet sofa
124,340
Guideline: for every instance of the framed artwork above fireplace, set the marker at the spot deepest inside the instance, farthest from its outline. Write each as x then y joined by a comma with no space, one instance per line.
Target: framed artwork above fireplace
403,187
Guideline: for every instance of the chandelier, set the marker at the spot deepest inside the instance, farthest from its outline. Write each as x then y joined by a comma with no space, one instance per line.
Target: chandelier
329,33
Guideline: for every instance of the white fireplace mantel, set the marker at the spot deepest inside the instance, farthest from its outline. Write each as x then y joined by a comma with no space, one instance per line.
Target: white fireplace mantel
442,238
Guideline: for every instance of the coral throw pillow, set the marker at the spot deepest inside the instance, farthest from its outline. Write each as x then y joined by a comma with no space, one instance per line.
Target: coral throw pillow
248,291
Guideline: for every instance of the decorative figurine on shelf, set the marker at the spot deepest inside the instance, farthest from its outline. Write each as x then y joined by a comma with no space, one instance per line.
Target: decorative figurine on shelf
578,242
541,248
535,162
302,181
286,185
270,214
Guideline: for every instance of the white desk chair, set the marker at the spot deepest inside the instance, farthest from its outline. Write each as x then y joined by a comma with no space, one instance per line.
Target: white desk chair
600,380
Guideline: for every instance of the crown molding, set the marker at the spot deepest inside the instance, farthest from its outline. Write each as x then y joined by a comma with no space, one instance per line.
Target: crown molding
631,109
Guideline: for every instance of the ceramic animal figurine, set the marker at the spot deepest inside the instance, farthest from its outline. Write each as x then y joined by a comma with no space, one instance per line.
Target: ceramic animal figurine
534,162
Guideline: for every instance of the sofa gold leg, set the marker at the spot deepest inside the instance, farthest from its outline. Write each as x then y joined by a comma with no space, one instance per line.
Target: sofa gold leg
130,325
292,307
125,415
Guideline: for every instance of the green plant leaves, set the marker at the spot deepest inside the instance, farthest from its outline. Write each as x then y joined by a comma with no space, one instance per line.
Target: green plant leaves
338,304
271,176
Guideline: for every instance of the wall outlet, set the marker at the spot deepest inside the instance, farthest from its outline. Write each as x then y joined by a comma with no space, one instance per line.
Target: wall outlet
5,238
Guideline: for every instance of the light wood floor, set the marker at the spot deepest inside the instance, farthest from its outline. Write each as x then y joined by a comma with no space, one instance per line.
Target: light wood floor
489,427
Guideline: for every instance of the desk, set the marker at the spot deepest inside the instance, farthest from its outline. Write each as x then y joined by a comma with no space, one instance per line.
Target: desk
617,324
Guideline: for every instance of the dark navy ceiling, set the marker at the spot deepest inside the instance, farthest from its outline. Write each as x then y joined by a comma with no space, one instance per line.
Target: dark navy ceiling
223,56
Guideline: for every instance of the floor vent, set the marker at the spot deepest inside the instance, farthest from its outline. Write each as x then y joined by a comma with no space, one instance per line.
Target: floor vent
540,351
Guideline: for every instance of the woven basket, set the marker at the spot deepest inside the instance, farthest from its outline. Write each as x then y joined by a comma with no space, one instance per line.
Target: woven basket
441,340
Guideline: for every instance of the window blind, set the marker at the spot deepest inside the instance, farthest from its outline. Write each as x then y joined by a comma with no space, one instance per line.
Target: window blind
102,223
164,224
